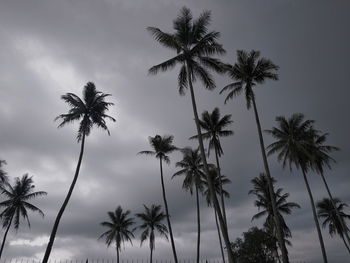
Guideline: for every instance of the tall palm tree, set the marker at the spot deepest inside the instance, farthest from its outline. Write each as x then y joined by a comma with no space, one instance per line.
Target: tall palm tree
191,167
163,145
152,221
17,203
331,214
118,228
3,176
294,144
247,72
195,46
90,111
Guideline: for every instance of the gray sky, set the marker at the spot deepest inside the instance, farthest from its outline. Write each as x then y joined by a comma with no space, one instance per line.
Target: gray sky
49,48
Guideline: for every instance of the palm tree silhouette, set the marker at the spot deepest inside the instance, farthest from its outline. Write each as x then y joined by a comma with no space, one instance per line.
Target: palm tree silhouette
331,214
152,221
3,176
191,167
163,145
118,228
294,144
91,111
247,72
194,46
17,203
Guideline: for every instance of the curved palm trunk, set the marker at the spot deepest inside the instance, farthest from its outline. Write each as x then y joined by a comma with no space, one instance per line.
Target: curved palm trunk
63,207
342,237
343,226
209,179
315,218
198,225
280,236
221,248
5,235
167,212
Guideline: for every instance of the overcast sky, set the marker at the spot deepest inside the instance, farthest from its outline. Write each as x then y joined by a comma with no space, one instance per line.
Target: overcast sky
49,48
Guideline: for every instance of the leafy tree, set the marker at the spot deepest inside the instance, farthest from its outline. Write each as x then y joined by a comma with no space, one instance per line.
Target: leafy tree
191,168
294,145
194,46
118,228
331,214
247,72
152,221
17,203
3,176
90,111
163,145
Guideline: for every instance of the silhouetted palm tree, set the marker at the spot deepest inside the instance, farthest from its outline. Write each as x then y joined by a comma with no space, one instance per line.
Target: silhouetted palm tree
3,176
191,167
91,111
17,203
194,45
331,214
152,221
118,228
163,145
294,144
247,72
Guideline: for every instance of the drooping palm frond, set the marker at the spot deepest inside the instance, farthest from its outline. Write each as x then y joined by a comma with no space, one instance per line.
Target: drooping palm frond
3,174
216,179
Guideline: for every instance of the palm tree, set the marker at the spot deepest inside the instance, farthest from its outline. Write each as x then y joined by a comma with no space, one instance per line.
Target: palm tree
294,145
194,45
163,145
91,111
17,203
3,176
218,180
247,72
191,167
264,204
331,214
152,220
118,228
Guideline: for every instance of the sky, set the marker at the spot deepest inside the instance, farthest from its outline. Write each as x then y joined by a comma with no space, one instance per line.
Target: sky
49,48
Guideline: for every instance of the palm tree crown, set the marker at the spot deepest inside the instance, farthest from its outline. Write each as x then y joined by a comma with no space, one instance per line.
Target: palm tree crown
216,180
162,145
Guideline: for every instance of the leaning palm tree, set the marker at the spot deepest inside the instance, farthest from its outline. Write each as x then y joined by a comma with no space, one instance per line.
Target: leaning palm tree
152,221
17,203
163,145
3,176
91,111
194,46
247,72
118,228
331,214
294,145
191,168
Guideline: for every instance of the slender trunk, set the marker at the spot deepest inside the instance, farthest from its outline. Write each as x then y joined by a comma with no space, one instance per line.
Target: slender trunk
167,212
151,256
5,235
206,170
60,213
221,248
117,255
342,237
343,226
315,218
151,244
198,225
280,236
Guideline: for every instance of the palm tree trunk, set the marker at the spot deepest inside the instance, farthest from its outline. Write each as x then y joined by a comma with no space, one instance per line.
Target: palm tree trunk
5,235
151,256
117,255
315,217
221,248
343,226
60,213
198,224
342,237
206,170
167,212
271,190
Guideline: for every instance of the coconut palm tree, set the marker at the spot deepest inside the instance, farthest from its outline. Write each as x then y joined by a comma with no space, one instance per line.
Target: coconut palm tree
191,168
195,46
331,214
17,203
214,128
294,145
3,176
118,228
247,72
152,221
163,145
90,111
